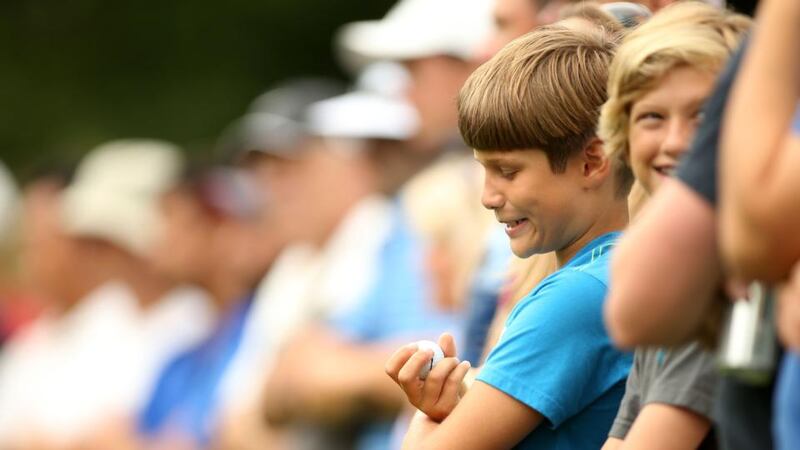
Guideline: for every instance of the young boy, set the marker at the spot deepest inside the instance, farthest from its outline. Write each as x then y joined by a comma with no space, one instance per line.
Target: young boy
553,380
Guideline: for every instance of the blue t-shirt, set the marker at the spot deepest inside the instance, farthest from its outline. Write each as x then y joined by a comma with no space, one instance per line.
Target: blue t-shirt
185,396
398,307
556,357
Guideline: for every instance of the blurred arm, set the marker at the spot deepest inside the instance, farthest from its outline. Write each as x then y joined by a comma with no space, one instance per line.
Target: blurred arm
321,378
760,156
665,270
660,426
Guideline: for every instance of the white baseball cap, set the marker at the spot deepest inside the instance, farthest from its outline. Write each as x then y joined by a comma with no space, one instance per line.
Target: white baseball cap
363,115
417,29
377,109
116,191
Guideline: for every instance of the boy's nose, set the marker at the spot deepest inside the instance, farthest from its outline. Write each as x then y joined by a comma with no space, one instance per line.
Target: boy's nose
491,198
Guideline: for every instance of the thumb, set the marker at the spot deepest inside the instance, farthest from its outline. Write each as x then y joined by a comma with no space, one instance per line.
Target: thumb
448,345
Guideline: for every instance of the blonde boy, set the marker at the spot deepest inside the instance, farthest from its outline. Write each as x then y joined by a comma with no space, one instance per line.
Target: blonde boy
658,83
554,380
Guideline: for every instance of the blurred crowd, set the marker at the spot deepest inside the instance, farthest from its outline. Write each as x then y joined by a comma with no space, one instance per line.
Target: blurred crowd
258,300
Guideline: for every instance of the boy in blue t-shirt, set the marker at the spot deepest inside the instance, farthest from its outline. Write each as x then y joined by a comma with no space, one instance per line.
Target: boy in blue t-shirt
553,380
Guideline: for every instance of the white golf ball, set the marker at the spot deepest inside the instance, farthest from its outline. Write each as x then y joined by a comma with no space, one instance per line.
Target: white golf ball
438,355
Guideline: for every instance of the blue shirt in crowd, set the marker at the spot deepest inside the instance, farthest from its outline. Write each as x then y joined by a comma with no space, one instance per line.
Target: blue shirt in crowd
555,355
398,308
185,397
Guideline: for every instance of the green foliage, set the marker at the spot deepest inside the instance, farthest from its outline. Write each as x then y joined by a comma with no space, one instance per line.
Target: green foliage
76,73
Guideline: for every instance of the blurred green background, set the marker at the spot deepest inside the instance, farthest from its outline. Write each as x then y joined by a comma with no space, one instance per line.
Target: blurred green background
79,72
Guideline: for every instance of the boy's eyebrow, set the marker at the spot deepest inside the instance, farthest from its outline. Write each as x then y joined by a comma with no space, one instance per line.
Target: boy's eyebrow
494,160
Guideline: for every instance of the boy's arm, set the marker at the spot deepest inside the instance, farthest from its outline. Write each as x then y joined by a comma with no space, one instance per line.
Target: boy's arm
486,418
665,270
760,156
661,426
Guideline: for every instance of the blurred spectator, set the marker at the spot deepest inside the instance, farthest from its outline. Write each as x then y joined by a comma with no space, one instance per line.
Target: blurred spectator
629,14
437,42
17,307
759,212
325,376
73,373
213,237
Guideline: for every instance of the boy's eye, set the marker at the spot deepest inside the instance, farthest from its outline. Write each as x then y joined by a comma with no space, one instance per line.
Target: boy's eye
508,173
649,116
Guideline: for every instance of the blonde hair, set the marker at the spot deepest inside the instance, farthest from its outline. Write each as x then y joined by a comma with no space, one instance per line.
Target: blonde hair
542,91
690,34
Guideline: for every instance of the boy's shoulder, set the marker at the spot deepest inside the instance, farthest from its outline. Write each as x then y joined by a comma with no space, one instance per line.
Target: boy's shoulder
582,281
592,261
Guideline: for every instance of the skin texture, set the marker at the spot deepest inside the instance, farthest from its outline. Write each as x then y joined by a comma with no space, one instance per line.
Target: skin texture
788,311
519,184
435,82
760,155
512,18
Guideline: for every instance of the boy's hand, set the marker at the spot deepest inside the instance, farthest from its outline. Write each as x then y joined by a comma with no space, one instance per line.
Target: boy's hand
440,392
788,310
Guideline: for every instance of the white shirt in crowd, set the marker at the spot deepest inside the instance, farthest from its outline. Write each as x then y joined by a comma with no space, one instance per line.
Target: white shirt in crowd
64,376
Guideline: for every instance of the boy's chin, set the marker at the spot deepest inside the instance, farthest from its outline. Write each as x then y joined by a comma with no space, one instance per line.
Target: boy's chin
521,251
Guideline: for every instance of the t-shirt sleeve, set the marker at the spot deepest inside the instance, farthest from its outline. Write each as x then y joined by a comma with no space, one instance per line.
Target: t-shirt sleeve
630,406
554,355
698,169
687,379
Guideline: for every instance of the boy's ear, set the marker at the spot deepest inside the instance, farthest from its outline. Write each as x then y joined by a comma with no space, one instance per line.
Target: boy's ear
595,164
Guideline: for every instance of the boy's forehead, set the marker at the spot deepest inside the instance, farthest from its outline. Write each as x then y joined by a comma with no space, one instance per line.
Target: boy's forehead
499,156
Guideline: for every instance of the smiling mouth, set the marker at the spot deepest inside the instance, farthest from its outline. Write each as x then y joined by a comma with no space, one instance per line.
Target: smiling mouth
666,171
514,226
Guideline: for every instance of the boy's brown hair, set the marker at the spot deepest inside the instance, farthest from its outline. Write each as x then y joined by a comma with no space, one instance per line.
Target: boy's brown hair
542,91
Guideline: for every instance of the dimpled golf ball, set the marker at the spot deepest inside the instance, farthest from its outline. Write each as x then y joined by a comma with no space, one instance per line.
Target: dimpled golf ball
438,355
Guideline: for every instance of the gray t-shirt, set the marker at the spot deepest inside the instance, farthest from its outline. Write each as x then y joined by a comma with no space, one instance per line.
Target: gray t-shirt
683,376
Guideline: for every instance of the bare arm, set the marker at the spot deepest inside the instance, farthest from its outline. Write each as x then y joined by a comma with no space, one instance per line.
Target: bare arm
486,418
760,158
612,444
660,426
325,379
665,270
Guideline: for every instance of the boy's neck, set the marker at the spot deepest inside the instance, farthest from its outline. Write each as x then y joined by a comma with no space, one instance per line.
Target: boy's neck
614,218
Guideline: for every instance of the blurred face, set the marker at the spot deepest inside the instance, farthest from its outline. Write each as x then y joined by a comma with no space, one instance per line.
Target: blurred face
185,242
512,18
535,204
435,82
663,123
307,193
50,259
